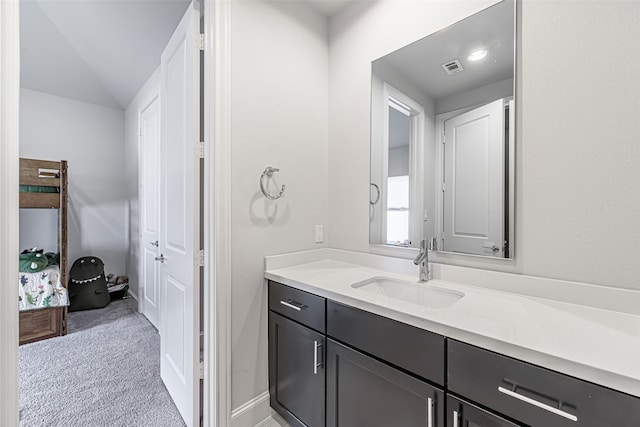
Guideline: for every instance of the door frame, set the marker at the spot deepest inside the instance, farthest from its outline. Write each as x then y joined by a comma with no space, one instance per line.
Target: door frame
217,190
153,96
9,154
217,212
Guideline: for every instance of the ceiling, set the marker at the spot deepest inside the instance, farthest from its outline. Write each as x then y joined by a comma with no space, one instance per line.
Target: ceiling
96,51
491,29
329,8
103,51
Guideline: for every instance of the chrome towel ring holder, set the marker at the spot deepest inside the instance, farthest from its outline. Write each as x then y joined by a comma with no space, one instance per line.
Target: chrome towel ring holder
373,202
268,172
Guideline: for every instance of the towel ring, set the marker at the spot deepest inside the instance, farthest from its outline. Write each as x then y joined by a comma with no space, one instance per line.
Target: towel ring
268,172
373,202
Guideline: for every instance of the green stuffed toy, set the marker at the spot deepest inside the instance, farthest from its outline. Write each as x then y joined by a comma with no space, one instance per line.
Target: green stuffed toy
33,261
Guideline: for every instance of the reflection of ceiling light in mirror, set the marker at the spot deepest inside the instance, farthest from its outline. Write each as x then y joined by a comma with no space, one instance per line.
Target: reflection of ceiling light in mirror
477,55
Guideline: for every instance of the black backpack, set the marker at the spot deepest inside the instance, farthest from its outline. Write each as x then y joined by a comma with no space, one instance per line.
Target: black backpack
87,284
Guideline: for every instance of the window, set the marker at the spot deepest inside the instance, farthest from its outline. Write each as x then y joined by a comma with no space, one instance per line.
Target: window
398,210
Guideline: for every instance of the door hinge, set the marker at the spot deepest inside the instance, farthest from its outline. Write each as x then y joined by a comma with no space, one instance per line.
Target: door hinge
200,258
200,150
140,130
200,41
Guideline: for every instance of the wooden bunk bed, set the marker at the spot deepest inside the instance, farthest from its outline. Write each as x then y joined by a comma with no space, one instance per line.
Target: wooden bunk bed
43,185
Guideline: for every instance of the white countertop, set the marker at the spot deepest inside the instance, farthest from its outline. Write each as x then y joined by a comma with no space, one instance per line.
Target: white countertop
594,344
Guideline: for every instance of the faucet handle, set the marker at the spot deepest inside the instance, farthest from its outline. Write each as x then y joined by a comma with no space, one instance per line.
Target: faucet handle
433,244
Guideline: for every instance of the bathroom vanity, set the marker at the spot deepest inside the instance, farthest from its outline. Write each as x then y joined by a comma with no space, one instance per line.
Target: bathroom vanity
343,355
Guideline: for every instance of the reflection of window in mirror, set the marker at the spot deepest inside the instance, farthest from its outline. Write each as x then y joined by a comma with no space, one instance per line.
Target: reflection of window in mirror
395,156
398,210
398,175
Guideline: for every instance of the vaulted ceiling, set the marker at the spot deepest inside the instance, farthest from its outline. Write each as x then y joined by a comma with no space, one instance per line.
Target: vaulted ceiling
102,51
96,51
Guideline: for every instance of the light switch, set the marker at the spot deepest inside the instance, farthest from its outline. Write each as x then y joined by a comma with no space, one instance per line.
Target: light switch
319,233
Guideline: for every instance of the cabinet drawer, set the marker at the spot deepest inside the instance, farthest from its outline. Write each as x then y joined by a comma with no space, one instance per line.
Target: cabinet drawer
534,395
298,305
416,350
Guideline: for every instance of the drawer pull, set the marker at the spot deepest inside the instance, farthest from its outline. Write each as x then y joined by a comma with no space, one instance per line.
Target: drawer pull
429,412
292,304
456,419
538,404
316,346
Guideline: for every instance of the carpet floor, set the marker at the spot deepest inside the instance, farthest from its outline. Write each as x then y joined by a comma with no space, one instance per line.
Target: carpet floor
104,372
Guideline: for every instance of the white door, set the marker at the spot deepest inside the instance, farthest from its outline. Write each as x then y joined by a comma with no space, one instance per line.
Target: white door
179,217
150,209
474,181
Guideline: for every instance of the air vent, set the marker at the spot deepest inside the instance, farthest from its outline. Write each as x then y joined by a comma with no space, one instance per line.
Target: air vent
452,67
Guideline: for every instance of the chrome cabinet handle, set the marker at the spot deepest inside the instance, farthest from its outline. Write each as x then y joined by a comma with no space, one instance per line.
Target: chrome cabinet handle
456,419
537,404
155,244
292,304
429,412
316,365
161,258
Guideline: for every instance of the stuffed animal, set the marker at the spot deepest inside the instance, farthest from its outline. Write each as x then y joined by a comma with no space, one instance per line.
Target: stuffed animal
33,260
87,284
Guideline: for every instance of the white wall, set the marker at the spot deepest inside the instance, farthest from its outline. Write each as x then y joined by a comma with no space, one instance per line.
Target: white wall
579,128
477,96
578,160
279,118
39,228
90,138
131,165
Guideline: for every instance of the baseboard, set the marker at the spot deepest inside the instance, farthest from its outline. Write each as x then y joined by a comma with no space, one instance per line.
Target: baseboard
274,420
133,300
253,413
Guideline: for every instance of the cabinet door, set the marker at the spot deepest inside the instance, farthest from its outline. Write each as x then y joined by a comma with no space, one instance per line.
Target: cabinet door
463,414
296,372
363,392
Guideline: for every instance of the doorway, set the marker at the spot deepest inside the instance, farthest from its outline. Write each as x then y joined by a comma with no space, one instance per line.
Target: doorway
107,210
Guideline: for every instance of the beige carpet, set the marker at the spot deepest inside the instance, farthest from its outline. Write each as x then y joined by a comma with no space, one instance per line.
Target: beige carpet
105,372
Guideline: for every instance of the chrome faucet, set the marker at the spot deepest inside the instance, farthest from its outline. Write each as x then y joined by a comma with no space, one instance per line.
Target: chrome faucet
423,261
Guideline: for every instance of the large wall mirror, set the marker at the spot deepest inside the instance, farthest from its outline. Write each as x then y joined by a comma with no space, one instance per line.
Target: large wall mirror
443,139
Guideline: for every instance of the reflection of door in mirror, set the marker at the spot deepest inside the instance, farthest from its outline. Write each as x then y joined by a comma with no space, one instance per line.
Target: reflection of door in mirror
474,190
396,218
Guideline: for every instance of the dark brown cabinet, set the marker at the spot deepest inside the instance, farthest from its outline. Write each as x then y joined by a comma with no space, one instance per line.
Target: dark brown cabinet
364,392
534,395
464,414
296,372
381,372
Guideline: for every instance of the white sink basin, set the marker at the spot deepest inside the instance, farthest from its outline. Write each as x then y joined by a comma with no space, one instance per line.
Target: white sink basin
422,294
